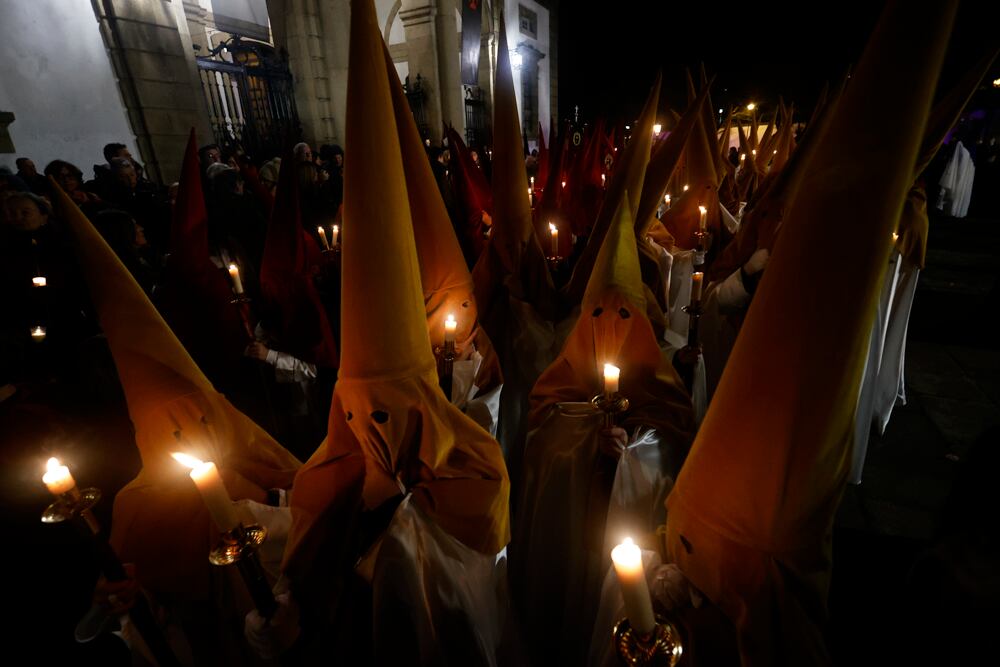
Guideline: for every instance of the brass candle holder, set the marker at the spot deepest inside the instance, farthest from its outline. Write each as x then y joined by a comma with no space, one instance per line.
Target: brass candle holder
660,648
446,362
75,506
239,546
611,404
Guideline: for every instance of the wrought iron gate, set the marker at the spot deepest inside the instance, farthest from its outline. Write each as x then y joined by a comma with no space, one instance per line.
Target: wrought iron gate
251,102
417,97
478,133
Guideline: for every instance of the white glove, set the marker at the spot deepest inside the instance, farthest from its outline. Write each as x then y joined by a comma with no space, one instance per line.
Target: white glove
270,638
757,261
672,588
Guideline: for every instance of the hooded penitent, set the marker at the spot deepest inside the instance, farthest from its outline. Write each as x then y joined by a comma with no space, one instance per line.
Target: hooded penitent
447,283
474,190
298,320
750,518
387,405
570,504
159,521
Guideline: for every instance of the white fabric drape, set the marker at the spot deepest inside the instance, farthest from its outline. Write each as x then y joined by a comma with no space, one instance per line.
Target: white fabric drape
956,183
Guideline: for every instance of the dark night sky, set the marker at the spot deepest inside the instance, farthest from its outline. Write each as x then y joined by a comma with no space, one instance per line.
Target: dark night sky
608,57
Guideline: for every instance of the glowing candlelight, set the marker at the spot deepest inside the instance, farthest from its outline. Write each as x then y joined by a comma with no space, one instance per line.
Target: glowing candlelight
627,558
58,478
322,237
39,281
603,180
555,239
234,273
213,491
564,184
895,237
685,188
754,151
450,327
532,182
38,333
656,128
666,200
336,235
696,280
751,106
743,157
611,376
703,219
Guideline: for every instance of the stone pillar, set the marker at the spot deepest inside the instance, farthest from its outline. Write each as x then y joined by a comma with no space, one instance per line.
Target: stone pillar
433,53
157,78
449,65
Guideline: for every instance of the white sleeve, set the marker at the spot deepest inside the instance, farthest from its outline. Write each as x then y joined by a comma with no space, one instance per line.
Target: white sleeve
289,369
731,294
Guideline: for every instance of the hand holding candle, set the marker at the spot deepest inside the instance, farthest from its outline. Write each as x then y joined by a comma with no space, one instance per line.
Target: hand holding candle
234,273
627,558
555,239
213,491
322,237
58,478
611,375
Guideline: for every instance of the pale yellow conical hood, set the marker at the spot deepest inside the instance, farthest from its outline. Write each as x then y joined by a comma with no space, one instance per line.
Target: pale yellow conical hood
617,264
626,181
383,326
751,515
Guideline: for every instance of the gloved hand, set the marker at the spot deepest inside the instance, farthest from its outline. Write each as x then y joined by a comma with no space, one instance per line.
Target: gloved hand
117,596
672,589
272,637
757,261
613,441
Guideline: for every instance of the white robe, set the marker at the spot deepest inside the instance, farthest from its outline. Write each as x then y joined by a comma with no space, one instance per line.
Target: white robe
484,409
876,345
890,386
956,183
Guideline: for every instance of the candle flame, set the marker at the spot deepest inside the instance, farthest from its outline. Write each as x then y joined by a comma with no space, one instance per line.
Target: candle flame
52,464
320,229
450,320
628,542
703,209
564,183
610,370
656,128
336,228
187,460
743,156
685,188
895,237
39,281
552,228
233,267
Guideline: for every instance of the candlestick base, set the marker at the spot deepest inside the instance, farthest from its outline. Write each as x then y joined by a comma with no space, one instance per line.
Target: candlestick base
71,504
238,544
661,648
610,405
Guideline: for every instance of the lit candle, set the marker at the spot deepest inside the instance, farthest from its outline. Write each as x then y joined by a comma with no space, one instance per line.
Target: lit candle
754,151
564,184
532,182
666,200
322,237
895,237
603,180
57,477
234,273
555,239
696,279
685,188
39,281
703,220
213,491
450,327
743,157
656,128
627,558
611,375
38,333
336,235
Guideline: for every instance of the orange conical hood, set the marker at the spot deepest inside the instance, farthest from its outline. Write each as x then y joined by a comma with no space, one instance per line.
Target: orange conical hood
160,523
751,515
384,336
626,181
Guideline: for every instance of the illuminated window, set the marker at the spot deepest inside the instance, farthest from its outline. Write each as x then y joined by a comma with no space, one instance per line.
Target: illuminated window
529,22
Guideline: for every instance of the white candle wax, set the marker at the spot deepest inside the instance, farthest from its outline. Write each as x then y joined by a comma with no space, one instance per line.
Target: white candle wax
234,273
39,281
336,235
703,220
611,376
213,491
627,558
555,239
322,237
450,327
696,279
58,478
